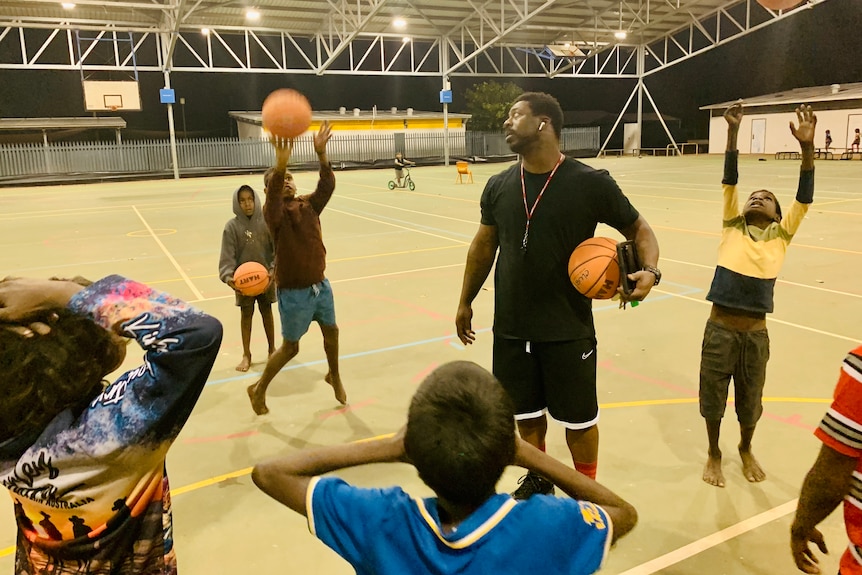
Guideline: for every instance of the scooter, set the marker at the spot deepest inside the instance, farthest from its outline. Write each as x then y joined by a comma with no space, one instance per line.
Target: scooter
406,182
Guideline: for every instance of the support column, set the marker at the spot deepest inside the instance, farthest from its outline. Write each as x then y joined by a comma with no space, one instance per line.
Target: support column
172,129
167,59
640,64
444,61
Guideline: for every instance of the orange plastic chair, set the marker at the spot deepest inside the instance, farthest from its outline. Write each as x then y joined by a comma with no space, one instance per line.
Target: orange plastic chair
463,170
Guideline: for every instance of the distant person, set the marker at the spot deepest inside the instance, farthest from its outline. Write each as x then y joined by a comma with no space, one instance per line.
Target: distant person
84,459
460,436
828,140
304,293
400,163
854,147
835,476
534,214
736,342
246,239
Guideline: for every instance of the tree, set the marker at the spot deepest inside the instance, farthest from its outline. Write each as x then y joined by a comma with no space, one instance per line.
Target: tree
489,104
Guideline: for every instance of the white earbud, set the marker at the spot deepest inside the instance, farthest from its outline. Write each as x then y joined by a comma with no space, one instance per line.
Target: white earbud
541,125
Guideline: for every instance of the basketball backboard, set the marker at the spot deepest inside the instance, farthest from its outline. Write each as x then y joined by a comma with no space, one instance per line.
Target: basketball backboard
102,96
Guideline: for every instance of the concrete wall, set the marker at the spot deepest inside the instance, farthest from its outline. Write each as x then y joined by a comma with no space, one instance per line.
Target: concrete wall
778,137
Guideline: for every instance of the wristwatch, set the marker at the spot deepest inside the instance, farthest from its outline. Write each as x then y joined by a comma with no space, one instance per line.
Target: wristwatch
654,271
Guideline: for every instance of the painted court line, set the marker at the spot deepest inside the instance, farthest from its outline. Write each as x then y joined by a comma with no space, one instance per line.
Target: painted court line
710,541
398,226
817,288
198,295
429,214
773,320
345,280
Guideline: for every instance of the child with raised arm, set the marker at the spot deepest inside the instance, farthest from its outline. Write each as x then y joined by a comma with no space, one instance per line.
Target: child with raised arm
304,293
84,459
752,249
246,239
460,436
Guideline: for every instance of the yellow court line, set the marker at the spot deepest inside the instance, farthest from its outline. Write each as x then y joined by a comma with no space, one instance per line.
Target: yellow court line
642,403
814,207
211,481
836,202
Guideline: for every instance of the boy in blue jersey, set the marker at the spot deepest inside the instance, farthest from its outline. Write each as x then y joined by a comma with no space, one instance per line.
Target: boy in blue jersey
460,436
752,249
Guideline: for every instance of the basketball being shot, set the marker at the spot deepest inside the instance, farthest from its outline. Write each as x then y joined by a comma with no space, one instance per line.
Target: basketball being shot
286,113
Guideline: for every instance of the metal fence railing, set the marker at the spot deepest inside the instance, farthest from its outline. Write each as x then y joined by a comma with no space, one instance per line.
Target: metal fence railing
154,156
489,144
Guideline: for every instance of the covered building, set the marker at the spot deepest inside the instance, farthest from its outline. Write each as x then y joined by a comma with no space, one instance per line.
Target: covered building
764,129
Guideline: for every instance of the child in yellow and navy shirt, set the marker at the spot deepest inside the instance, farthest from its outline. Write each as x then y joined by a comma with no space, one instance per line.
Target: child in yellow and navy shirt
752,249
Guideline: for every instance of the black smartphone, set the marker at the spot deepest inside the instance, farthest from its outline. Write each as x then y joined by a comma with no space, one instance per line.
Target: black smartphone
629,262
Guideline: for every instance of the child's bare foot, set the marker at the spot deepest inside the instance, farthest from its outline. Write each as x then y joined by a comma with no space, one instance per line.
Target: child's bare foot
244,364
712,471
337,387
258,404
750,467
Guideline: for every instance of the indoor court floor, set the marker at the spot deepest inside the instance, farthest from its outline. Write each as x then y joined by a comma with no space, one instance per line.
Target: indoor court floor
396,260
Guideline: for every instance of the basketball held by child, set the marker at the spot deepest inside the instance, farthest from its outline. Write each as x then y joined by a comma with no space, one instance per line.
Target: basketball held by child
594,269
251,279
286,113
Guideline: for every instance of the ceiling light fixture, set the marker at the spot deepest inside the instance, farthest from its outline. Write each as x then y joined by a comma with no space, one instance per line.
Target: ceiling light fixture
252,14
67,5
399,23
205,31
620,34
405,39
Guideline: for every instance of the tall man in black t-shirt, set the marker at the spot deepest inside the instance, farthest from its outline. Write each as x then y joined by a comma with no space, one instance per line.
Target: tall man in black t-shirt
536,213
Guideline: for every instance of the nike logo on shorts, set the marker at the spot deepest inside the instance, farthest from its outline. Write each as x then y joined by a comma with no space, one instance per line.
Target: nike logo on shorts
588,354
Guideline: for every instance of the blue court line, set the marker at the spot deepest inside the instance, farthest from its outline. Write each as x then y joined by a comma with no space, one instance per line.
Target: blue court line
454,344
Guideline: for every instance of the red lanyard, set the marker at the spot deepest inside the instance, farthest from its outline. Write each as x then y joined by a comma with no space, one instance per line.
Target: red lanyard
530,211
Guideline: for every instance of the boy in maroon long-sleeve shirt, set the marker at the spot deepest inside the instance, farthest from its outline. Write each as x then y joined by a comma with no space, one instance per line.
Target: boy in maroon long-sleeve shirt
304,293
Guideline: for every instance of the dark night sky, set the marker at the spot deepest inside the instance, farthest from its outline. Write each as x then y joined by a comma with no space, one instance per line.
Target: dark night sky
816,48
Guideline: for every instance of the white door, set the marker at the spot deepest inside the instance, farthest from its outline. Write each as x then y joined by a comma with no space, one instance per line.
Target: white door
631,138
758,136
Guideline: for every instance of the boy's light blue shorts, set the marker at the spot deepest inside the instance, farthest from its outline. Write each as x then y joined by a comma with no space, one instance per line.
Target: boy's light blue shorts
299,307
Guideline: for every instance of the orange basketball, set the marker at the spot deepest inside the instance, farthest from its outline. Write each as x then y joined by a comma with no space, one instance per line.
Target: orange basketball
779,4
286,113
594,269
251,279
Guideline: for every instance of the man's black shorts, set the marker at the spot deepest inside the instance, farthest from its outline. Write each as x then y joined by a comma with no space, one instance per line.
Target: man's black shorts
554,376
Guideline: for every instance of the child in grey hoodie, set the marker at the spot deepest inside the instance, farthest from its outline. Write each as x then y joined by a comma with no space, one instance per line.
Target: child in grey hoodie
246,239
